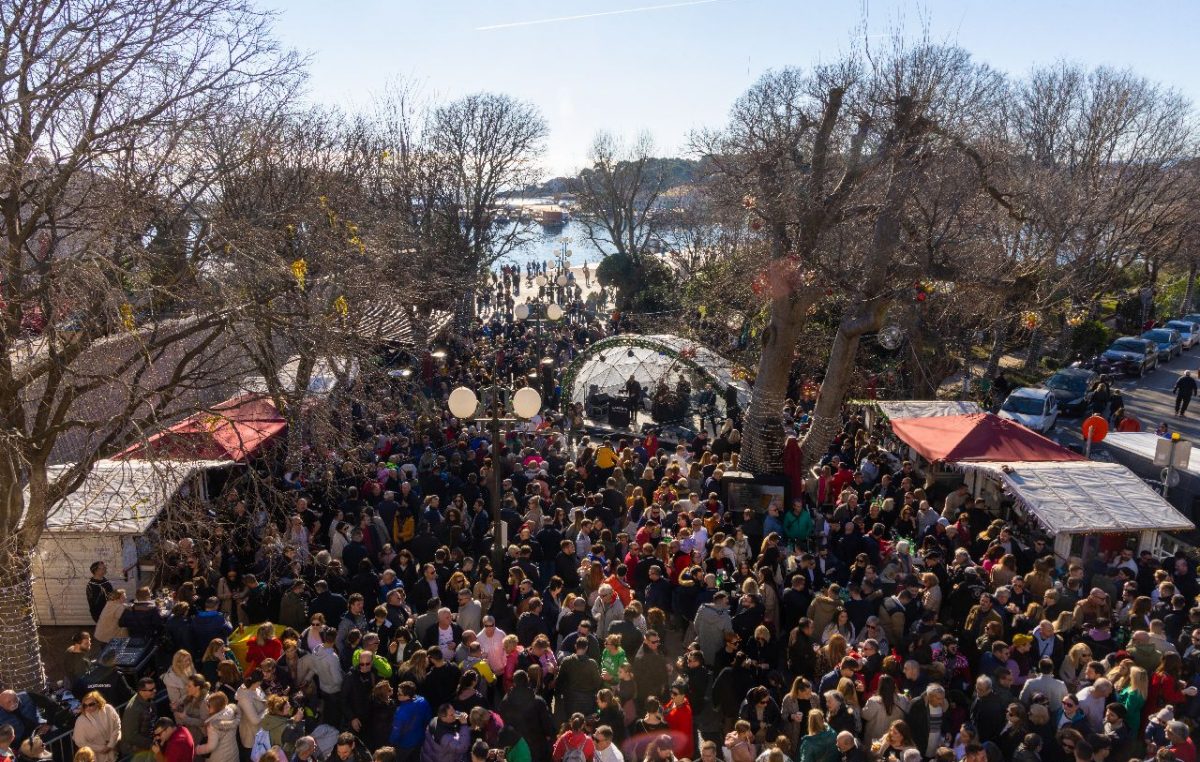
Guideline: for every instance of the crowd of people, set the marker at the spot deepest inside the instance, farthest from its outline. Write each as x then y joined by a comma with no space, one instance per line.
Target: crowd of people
633,616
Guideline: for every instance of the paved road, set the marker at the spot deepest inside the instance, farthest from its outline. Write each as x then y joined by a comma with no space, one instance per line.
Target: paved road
1151,401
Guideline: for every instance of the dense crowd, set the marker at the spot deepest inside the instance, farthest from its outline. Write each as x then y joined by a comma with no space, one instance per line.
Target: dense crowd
634,616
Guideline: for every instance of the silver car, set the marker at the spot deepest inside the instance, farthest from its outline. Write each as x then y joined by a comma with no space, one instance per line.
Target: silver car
1189,332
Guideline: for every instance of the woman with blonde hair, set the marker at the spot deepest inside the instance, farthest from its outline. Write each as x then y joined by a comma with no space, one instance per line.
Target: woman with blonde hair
820,745
1074,665
1133,696
849,691
108,626
1064,623
84,754
98,727
175,679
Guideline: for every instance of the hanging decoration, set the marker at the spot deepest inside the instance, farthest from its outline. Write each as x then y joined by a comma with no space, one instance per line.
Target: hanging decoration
1031,319
127,316
300,272
341,307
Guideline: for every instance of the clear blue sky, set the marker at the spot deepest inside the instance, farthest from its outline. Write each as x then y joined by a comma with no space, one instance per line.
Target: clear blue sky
671,70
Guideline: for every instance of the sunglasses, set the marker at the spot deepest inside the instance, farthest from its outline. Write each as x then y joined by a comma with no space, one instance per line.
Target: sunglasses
90,705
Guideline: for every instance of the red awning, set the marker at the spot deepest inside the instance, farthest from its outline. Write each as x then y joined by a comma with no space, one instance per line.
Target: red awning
235,430
978,436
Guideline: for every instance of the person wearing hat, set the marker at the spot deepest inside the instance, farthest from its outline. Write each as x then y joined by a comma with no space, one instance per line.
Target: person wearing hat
34,750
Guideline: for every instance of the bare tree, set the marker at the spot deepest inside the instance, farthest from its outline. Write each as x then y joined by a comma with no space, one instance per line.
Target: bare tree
491,145
96,100
828,164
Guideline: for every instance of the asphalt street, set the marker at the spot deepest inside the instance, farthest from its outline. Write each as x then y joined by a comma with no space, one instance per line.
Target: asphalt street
1150,400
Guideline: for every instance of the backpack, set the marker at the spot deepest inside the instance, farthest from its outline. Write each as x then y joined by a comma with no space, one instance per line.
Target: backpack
576,754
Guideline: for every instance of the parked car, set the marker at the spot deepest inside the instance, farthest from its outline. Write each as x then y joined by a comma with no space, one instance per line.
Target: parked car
1132,355
1073,389
1169,343
1189,331
1035,409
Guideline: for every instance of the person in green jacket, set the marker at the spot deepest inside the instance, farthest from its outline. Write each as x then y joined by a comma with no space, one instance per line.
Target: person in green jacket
611,660
797,525
1133,697
820,745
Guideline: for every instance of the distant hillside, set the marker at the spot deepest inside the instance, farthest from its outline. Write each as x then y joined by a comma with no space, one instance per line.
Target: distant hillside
677,172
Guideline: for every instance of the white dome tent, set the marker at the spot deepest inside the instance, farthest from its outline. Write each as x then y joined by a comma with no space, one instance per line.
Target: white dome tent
605,367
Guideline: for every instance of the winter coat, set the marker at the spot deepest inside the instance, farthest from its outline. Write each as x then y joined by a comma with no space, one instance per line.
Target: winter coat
605,615
712,622
822,611
446,743
176,687
108,626
101,731
208,625
222,730
408,724
252,706
821,747
877,719
527,714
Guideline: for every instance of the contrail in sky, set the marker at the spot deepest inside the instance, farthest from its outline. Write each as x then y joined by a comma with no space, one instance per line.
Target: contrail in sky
556,20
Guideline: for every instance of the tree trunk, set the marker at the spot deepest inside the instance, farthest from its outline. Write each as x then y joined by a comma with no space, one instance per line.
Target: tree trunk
1000,337
762,438
20,650
1037,338
1190,292
827,415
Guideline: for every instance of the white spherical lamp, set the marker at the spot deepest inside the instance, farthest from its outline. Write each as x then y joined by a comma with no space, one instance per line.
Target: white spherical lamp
554,312
521,312
527,402
463,403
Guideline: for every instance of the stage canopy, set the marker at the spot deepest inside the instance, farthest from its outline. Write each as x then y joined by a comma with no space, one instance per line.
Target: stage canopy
608,364
1084,497
977,437
234,430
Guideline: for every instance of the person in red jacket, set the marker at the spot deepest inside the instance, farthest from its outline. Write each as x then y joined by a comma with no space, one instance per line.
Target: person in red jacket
264,645
172,743
575,738
679,720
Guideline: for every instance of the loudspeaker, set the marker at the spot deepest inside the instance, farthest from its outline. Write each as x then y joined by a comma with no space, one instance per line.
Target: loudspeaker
618,417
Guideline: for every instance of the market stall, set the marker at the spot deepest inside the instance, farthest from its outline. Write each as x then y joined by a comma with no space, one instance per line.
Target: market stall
1080,502
113,517
1135,451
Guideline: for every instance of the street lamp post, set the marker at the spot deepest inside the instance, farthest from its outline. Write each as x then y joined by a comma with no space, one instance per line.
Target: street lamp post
464,405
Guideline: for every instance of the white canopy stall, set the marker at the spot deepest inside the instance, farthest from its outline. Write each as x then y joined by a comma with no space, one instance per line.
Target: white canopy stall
107,519
923,408
1075,499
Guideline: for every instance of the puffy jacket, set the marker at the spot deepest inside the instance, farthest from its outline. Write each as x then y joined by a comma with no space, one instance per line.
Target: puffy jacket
252,706
822,611
143,620
446,743
821,747
222,745
797,526
712,622
408,724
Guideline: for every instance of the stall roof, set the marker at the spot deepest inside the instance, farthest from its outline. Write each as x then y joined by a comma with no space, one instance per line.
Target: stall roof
232,430
122,496
1084,497
925,408
1144,443
977,437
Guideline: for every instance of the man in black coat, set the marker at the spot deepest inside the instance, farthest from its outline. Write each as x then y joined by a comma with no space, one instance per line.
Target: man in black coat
444,635
98,588
650,666
631,636
441,683
526,712
327,603
356,691
987,709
